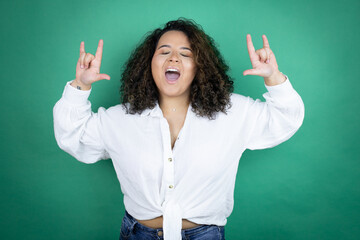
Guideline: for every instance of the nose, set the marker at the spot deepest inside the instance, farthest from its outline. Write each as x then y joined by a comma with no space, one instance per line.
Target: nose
174,57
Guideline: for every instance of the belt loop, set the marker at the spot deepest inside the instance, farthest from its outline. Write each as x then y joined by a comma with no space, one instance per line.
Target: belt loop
132,226
132,221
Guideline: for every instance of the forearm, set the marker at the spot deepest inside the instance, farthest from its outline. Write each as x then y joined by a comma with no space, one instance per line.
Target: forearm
276,120
76,127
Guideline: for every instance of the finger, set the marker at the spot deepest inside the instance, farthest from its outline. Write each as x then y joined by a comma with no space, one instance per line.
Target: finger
82,50
268,54
88,58
262,53
266,42
82,59
99,50
251,72
102,76
251,49
82,47
267,47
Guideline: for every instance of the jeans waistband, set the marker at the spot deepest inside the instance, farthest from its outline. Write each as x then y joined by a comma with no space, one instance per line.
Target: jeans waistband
189,231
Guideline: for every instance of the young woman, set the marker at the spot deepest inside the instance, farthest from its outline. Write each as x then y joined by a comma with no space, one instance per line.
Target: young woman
176,139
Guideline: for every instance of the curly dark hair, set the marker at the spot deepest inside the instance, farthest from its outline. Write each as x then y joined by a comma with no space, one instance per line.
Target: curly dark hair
210,90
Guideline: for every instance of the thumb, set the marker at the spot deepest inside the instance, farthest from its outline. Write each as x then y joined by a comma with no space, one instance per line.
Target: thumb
102,76
250,72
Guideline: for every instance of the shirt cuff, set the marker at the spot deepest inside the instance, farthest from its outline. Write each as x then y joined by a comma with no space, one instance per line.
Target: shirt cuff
282,90
75,96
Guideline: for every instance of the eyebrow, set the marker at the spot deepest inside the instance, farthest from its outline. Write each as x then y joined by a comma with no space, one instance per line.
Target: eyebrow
185,48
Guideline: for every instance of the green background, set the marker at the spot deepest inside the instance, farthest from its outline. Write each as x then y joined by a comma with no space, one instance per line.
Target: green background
305,188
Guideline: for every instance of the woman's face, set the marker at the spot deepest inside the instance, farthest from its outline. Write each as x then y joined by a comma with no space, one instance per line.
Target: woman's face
173,67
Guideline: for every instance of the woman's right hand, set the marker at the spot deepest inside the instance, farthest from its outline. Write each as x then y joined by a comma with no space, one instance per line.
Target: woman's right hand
88,68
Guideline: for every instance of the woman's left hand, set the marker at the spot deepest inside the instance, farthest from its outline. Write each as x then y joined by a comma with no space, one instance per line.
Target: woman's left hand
264,63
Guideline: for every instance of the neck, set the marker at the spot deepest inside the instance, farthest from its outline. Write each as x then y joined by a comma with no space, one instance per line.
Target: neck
170,105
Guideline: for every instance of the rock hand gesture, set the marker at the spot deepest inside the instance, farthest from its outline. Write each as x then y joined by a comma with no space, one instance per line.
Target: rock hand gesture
88,68
264,63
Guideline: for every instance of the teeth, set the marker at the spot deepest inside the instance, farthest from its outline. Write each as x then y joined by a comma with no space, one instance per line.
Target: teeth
172,70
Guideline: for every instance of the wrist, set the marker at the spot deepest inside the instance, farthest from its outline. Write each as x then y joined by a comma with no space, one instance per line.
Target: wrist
80,86
275,79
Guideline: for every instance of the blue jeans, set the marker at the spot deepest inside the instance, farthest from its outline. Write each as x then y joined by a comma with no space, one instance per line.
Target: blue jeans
133,230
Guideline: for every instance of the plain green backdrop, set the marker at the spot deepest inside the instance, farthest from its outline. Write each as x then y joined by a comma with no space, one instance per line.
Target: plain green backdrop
305,188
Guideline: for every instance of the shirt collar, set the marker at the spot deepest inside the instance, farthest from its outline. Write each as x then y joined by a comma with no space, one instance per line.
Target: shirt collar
154,112
157,112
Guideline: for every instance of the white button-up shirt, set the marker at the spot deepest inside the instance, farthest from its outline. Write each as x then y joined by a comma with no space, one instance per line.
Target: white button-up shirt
195,180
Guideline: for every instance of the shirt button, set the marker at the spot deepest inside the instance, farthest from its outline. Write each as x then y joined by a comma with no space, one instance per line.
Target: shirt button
170,159
171,186
160,233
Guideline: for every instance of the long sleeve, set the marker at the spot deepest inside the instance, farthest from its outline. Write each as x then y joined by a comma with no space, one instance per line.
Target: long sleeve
77,129
276,120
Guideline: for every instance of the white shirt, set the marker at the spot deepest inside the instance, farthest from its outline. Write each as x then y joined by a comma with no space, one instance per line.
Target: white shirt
195,180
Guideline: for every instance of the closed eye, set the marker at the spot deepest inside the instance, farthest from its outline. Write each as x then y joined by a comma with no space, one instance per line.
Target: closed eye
184,55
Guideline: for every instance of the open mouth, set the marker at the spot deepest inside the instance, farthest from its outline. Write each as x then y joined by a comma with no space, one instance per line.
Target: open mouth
172,74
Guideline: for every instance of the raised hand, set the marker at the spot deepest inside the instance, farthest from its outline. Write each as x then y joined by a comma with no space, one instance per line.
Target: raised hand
88,67
263,62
